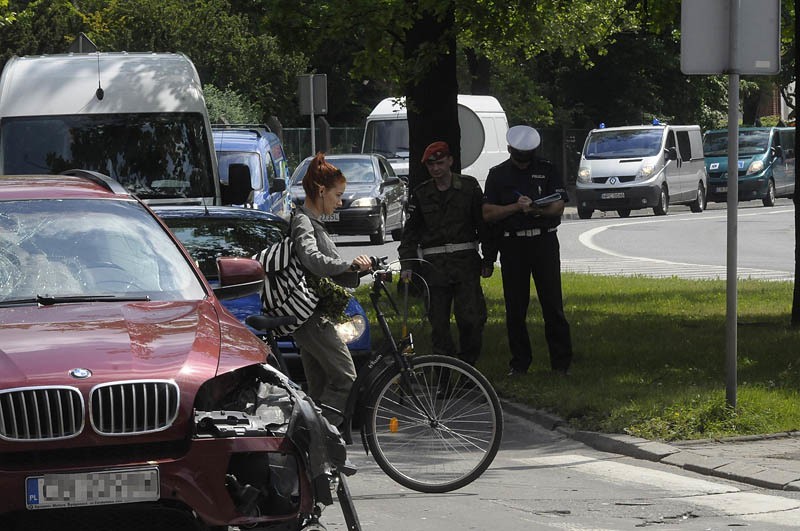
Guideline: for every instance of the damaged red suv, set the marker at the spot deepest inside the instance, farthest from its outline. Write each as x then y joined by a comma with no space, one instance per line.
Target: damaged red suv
129,397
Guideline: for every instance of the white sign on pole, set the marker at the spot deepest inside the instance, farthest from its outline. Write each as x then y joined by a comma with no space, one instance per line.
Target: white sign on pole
706,46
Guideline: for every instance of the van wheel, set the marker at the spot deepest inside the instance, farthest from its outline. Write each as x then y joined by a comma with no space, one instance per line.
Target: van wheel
699,204
662,208
585,213
623,212
769,199
379,238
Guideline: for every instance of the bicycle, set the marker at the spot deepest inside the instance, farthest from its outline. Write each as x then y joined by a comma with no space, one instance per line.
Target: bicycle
433,423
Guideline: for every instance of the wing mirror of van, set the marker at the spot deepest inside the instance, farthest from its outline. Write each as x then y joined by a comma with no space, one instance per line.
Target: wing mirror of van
277,185
391,181
777,152
671,153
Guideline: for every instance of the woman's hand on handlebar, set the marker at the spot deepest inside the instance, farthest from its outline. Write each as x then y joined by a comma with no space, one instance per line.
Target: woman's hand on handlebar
361,263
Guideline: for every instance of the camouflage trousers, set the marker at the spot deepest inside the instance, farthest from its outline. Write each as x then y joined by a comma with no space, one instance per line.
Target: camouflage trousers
465,300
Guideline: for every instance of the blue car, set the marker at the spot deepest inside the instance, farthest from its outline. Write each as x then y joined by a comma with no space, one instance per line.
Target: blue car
209,232
253,168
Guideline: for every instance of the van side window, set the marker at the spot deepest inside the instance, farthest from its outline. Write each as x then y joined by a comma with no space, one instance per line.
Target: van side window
787,142
270,169
684,145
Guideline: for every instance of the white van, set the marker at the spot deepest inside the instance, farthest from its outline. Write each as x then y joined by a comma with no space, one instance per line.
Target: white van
138,117
483,134
643,166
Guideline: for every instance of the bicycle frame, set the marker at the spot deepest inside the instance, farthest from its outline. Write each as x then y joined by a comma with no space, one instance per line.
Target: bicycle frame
392,355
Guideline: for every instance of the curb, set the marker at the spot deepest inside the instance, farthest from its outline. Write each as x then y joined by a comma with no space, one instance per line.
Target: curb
638,448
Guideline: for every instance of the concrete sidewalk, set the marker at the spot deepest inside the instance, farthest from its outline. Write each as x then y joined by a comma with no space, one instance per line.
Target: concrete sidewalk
768,461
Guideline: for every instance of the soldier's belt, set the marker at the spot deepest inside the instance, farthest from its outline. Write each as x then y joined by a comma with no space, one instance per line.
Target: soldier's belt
529,232
450,248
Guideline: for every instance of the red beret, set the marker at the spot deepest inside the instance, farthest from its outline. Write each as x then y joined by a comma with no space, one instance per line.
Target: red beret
436,151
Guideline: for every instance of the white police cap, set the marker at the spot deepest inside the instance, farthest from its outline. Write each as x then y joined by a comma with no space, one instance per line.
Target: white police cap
523,138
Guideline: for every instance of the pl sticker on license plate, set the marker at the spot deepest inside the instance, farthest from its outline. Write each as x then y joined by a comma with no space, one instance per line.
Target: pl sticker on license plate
92,488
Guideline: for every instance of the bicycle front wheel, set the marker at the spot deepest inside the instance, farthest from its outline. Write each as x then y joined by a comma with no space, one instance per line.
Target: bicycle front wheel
438,432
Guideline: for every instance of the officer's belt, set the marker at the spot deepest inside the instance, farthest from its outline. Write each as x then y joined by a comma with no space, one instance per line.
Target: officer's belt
529,232
450,248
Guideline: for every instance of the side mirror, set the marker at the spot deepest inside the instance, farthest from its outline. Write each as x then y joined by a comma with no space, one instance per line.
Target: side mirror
238,277
277,185
777,152
391,181
671,153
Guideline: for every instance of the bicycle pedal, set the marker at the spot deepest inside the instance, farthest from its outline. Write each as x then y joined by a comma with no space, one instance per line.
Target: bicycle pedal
348,468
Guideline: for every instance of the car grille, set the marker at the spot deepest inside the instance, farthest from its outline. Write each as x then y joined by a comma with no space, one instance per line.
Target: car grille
620,178
127,408
40,413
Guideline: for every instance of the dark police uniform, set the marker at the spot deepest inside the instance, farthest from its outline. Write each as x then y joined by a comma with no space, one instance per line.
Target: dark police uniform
528,247
445,227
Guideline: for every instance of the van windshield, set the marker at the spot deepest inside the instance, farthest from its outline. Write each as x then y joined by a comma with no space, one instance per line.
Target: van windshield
387,137
628,143
155,156
751,142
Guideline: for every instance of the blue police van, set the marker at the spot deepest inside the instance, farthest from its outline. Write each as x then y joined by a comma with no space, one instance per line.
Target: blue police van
253,168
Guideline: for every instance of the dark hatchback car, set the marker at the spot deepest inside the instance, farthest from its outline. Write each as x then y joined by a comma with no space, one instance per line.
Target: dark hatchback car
129,397
208,233
373,202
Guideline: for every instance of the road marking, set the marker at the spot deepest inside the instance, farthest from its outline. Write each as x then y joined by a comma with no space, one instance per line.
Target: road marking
719,497
629,265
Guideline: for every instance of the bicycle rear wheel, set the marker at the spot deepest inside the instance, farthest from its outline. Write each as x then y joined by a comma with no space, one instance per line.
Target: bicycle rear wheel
444,438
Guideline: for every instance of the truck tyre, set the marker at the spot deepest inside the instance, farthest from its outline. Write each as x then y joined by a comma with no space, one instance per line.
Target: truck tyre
585,213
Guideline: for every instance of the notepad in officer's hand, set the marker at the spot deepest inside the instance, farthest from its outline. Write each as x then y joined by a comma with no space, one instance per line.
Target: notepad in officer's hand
544,201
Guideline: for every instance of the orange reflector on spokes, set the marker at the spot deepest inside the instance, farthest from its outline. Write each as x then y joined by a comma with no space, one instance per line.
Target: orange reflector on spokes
393,424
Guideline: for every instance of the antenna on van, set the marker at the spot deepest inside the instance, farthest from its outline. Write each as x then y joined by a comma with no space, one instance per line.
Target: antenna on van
99,92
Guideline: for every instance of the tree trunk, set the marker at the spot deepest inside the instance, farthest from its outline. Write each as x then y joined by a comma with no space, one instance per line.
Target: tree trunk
480,72
432,97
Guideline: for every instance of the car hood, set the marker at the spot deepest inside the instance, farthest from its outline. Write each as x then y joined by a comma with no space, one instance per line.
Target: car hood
143,340
720,164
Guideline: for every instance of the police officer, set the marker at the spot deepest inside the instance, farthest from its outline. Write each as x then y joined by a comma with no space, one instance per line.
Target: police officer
524,200
445,227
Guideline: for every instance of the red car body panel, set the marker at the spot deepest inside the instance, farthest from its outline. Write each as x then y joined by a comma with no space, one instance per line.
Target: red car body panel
188,342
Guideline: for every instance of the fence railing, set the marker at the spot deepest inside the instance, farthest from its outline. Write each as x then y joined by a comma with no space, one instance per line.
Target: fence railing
297,142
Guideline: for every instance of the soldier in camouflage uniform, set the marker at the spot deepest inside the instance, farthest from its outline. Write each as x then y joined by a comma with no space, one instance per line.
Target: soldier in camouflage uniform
445,227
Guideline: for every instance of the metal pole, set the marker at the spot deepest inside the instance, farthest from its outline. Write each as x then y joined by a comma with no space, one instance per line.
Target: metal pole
733,200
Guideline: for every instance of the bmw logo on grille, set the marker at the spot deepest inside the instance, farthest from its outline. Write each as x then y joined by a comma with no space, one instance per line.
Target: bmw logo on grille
80,374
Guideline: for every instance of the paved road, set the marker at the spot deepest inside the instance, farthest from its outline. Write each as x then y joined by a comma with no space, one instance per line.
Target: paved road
680,244
543,479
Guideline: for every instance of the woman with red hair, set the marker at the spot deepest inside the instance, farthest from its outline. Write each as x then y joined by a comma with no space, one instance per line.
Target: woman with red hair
326,360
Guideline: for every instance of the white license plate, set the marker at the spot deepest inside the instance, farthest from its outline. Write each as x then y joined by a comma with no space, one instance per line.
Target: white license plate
613,195
92,488
721,189
330,217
